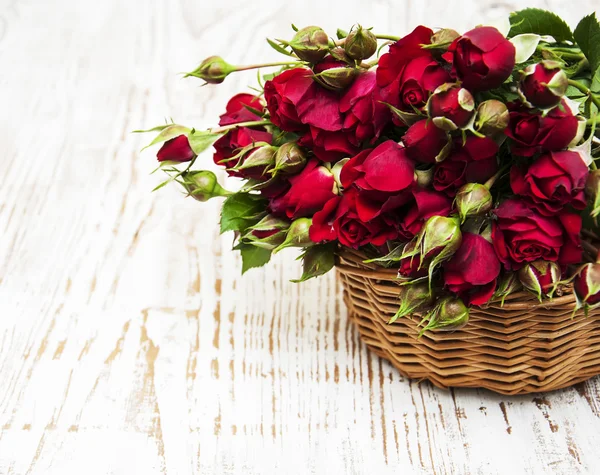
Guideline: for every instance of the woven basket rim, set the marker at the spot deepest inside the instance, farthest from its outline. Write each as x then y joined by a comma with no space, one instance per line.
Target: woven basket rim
520,300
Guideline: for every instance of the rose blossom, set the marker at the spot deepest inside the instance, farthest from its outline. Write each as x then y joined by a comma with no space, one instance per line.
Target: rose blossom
482,58
177,150
520,234
554,181
408,74
427,203
472,271
424,141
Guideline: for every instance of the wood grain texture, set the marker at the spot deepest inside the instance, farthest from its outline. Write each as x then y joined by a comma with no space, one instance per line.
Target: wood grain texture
129,344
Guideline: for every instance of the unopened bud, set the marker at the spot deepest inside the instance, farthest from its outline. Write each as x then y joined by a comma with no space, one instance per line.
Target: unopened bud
492,117
450,107
592,192
202,185
360,44
440,236
268,233
257,162
449,314
310,44
413,297
444,37
540,277
424,177
289,159
297,234
473,199
213,70
336,79
587,286
544,84
508,284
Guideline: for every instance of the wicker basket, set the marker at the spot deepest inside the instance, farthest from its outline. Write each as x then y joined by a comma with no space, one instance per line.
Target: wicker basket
522,347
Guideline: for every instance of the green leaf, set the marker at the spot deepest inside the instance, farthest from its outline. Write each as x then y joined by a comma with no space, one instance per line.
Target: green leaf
167,133
253,256
540,22
158,128
242,210
200,140
317,260
587,35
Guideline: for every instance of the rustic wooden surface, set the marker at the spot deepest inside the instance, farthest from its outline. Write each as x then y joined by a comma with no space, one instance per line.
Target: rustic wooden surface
129,344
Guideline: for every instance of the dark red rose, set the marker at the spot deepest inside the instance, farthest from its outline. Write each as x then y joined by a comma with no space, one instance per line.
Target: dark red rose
237,110
328,146
339,219
386,168
408,74
427,203
284,93
176,150
473,162
364,114
451,107
544,84
472,271
531,133
587,284
482,58
424,141
520,234
309,191
554,181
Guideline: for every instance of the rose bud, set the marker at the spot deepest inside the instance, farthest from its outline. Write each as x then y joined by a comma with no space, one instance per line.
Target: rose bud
336,79
257,163
451,107
213,70
202,185
540,277
509,283
426,143
360,44
544,84
592,192
268,233
587,286
297,234
176,150
310,44
289,159
449,314
444,37
492,117
412,298
482,58
473,199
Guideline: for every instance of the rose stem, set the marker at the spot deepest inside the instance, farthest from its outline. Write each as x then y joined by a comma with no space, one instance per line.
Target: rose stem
266,65
387,37
581,87
252,123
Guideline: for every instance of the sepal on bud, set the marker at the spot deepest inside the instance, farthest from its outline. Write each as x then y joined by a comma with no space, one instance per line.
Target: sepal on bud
268,233
543,85
213,70
586,286
450,107
412,298
492,118
449,314
540,277
592,192
473,199
202,185
360,44
289,159
261,158
310,44
336,79
509,283
297,235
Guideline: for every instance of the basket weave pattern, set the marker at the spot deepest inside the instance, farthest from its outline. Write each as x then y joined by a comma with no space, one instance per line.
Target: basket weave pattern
522,347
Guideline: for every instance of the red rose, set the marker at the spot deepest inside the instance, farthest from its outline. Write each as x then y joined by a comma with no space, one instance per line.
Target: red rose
531,133
233,141
283,93
451,107
328,146
427,203
339,219
472,271
473,162
309,191
521,234
176,150
408,74
424,141
587,284
364,114
482,58
544,84
554,181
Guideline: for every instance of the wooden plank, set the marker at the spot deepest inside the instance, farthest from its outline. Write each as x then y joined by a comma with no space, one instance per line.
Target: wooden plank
128,341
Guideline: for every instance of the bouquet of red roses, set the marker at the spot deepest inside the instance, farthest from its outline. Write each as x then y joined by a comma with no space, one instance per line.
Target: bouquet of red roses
464,160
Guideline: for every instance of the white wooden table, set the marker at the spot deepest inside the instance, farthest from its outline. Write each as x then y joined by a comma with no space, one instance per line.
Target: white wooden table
129,344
